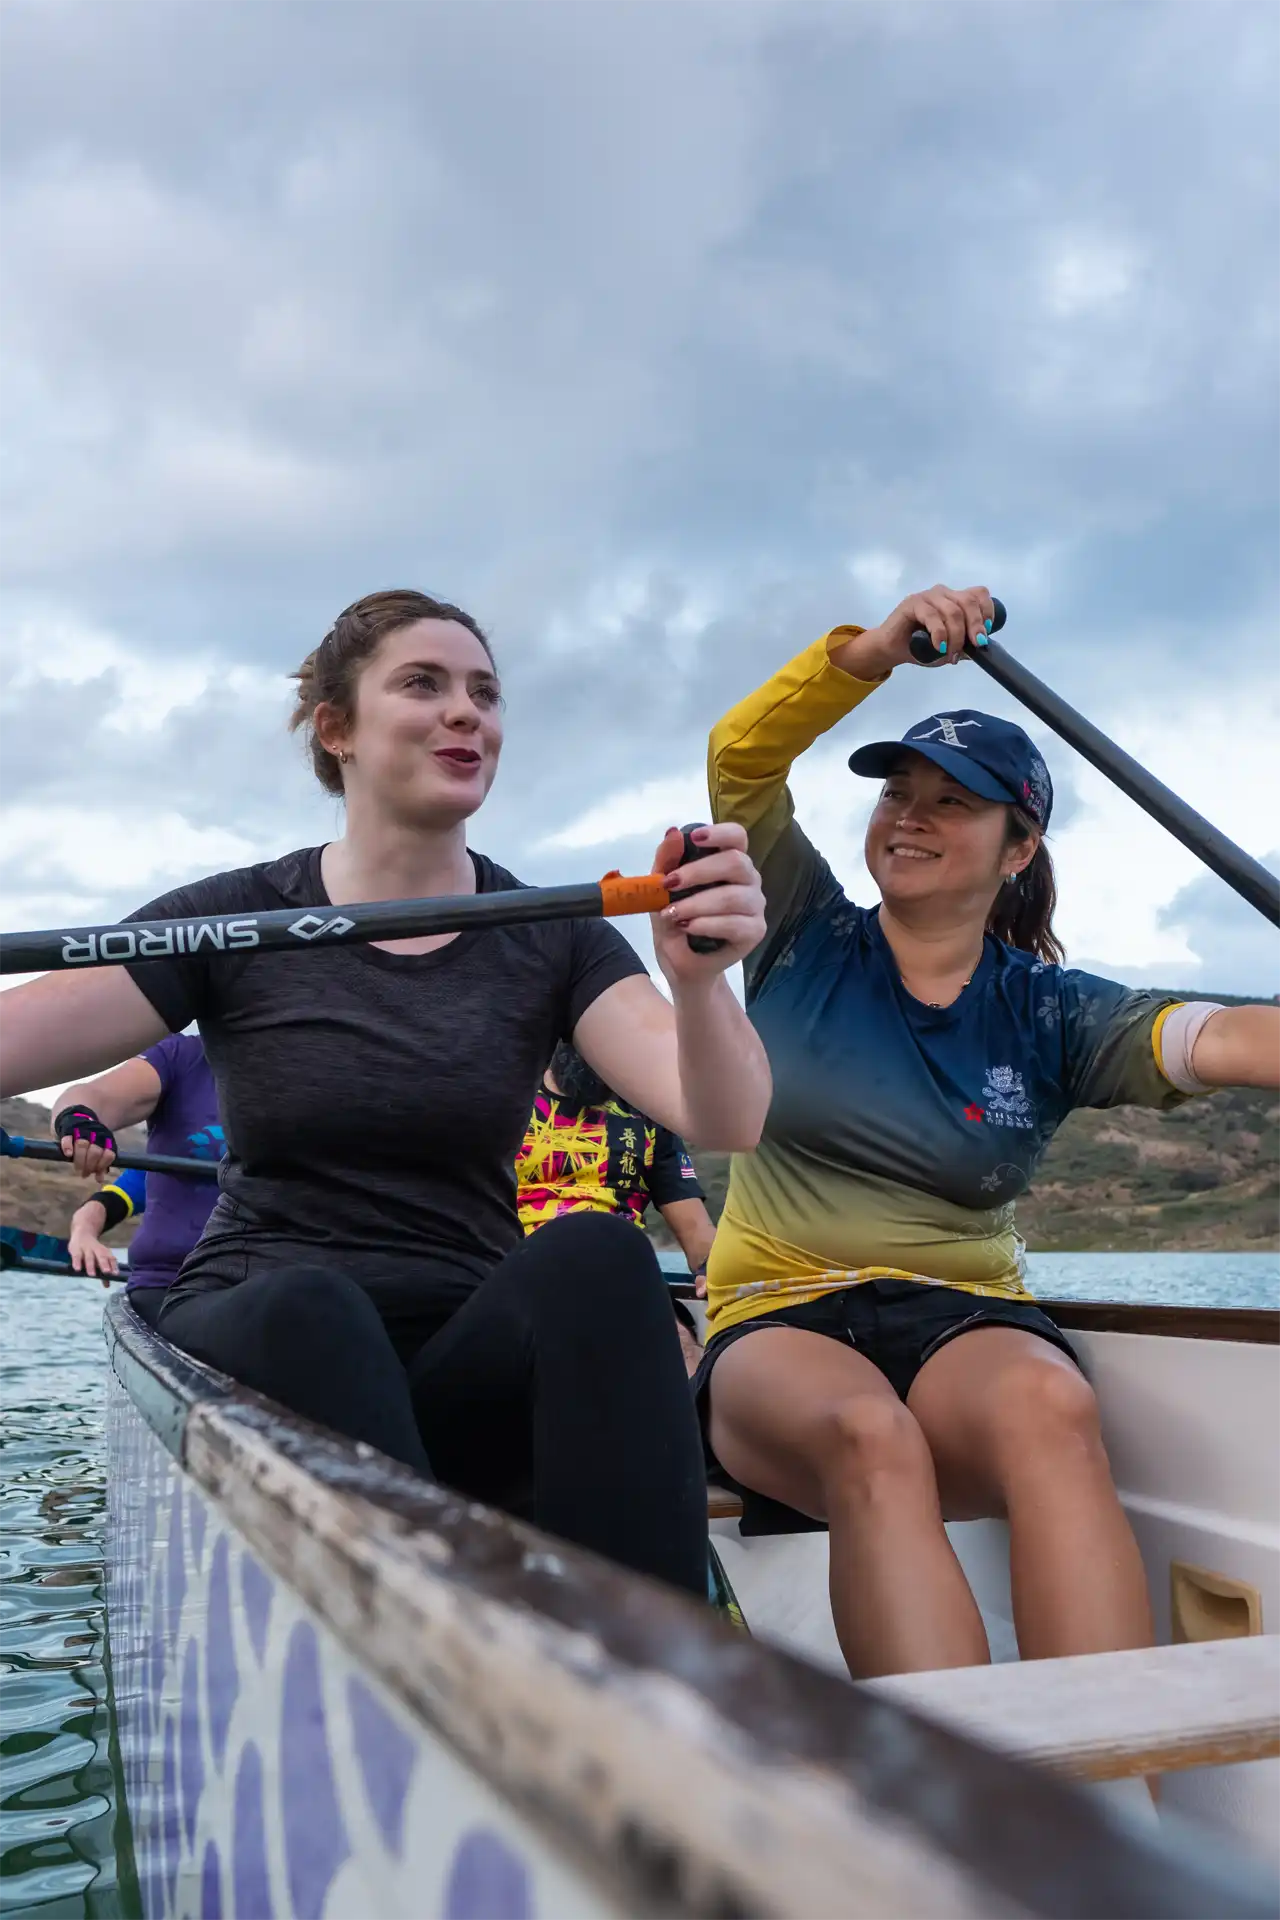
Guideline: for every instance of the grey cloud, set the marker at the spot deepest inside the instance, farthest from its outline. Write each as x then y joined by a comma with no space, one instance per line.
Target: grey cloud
1235,946
519,303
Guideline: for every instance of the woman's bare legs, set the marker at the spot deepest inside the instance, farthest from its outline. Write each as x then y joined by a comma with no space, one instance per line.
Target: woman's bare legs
1012,1426
806,1420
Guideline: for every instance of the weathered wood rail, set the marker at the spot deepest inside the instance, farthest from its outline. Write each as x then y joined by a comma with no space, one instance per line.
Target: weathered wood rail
684,1767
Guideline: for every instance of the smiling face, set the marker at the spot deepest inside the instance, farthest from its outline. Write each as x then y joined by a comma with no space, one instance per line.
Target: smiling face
424,740
930,839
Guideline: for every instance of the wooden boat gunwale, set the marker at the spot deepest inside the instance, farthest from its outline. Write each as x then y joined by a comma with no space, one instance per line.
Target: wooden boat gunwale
781,1774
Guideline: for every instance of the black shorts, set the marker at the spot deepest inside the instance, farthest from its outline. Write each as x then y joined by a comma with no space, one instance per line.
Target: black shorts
896,1324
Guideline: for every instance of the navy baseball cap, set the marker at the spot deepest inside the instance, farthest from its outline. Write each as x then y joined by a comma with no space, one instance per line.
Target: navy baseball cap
989,756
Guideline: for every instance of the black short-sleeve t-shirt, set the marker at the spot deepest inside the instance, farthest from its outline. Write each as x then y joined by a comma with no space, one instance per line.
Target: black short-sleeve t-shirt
673,1175
373,1103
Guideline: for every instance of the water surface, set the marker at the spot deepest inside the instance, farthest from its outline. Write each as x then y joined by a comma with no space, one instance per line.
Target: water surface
57,1797
1170,1279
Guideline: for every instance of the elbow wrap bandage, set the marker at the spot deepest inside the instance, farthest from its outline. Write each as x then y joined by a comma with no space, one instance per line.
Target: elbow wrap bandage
1176,1042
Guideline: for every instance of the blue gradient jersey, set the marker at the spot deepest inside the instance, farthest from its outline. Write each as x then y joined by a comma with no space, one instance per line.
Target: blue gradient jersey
900,1135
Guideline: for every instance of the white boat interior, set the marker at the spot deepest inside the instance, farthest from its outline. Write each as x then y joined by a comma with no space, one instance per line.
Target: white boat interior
1190,1400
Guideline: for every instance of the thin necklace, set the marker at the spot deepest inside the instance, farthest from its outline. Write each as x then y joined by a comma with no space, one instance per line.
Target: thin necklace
937,1005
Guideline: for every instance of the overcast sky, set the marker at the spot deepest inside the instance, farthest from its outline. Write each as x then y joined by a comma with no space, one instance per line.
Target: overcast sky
662,337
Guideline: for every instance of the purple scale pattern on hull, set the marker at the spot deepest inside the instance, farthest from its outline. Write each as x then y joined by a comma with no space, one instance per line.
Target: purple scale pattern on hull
250,1880
265,1774
221,1678
197,1532
487,1880
255,1585
176,1578
386,1756
155,1662
169,1812
211,1885
192,1760
315,1837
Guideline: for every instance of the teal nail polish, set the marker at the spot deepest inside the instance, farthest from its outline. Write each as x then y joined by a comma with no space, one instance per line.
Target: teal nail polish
987,625
942,646
982,639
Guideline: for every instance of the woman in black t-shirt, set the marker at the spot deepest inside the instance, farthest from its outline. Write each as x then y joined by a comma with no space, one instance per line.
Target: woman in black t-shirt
364,1264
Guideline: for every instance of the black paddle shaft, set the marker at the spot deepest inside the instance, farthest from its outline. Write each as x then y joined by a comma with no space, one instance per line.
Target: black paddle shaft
1231,863
1250,879
291,929
13,1146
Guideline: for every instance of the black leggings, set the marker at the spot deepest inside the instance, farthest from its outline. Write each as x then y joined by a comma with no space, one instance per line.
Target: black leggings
557,1390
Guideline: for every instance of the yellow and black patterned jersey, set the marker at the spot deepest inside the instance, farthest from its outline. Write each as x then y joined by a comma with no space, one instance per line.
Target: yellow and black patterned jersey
607,1159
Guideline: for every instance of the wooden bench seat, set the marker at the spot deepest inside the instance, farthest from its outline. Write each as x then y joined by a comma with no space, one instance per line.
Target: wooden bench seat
1103,1716
723,1505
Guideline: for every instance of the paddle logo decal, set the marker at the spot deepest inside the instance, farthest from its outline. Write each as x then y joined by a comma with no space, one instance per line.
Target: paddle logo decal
312,926
153,942
1005,1102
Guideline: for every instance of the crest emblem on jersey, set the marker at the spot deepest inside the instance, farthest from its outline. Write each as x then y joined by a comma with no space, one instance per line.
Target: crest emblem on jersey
1005,1100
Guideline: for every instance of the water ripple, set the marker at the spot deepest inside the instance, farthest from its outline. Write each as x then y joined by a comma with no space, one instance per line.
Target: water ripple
57,1807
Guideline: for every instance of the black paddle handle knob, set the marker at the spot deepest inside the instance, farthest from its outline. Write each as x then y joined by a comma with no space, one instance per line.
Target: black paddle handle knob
699,942
923,649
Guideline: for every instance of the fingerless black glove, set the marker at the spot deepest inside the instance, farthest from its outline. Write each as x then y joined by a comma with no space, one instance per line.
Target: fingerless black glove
82,1123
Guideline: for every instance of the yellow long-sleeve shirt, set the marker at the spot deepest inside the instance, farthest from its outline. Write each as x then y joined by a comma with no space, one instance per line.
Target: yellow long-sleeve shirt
900,1134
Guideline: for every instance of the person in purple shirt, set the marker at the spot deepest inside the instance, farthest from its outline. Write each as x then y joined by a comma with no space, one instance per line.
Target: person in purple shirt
170,1086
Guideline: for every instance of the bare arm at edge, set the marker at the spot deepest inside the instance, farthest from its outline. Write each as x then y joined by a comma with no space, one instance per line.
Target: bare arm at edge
1239,1047
694,1229
123,1097
66,1026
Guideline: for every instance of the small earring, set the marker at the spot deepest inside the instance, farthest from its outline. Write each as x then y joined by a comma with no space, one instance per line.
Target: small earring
344,757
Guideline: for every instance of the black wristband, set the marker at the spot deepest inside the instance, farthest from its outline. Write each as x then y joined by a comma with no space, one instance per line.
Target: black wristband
113,1204
82,1123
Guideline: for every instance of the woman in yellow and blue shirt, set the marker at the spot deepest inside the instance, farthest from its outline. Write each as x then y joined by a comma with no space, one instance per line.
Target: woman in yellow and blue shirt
923,1053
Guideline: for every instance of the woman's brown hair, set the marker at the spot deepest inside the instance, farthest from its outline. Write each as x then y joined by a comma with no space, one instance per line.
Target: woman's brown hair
328,676
1022,915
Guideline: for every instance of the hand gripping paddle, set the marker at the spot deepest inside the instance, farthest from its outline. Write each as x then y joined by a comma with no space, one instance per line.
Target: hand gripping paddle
923,649
699,942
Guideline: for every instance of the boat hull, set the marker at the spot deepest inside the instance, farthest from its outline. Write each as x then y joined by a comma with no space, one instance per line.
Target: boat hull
342,1691
266,1771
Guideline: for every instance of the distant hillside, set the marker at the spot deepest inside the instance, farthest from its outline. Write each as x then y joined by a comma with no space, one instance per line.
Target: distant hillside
1204,1177
44,1197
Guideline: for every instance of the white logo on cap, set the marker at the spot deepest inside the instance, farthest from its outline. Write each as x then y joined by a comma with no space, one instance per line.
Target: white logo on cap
949,729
